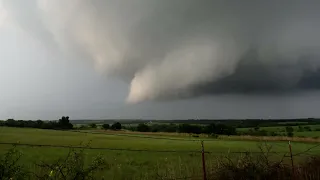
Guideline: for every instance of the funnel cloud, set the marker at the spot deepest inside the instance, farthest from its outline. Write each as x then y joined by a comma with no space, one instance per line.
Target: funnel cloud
184,48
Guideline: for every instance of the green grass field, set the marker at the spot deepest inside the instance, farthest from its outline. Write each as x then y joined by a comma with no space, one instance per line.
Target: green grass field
126,164
281,129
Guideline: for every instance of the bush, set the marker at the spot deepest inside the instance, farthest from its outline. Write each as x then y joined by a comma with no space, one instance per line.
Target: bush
105,126
93,125
143,128
9,167
71,167
188,128
289,131
116,126
261,167
290,134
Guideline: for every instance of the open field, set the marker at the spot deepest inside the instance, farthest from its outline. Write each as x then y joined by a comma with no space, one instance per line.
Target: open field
205,137
281,129
178,156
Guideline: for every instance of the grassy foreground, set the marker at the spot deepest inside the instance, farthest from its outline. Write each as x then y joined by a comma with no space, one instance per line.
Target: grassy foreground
129,164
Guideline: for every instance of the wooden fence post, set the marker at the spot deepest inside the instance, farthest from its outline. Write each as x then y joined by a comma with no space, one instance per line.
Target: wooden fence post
291,157
203,162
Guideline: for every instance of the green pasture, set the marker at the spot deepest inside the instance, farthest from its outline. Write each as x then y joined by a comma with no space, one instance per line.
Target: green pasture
174,156
281,129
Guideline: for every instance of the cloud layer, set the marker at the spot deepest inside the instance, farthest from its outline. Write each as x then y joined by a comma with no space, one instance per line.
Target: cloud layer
184,48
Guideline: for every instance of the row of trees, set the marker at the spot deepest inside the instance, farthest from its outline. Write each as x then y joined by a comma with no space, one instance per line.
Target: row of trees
238,123
256,131
180,128
186,128
62,123
115,126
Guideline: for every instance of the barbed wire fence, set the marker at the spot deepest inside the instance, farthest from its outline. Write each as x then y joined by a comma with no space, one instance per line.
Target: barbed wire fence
202,151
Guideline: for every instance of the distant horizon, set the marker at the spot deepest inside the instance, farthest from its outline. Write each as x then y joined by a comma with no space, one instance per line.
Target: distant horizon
202,119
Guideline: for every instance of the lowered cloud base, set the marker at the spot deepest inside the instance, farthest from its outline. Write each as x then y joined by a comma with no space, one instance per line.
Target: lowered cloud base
184,48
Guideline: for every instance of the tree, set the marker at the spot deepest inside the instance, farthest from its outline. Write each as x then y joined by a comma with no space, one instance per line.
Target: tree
39,123
93,125
210,129
105,126
143,128
289,131
116,126
64,123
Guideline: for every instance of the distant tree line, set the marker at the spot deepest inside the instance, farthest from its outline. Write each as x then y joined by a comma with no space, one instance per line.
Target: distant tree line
63,123
238,123
256,131
114,126
220,129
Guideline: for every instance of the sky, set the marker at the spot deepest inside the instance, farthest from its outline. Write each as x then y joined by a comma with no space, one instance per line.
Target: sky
153,59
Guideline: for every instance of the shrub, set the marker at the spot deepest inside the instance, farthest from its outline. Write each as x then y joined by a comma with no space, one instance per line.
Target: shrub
71,167
290,134
289,131
93,125
105,126
261,167
116,126
143,127
189,128
9,167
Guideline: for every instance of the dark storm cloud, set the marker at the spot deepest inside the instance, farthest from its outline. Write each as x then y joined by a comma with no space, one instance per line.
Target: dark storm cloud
253,77
183,48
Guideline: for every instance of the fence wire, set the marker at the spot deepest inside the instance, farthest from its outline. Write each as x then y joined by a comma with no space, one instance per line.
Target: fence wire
306,152
285,154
